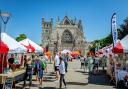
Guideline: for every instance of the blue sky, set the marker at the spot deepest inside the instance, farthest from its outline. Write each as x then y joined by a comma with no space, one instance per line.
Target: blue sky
95,15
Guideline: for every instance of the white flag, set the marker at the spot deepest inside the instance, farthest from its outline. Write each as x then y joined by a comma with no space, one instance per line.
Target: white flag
114,29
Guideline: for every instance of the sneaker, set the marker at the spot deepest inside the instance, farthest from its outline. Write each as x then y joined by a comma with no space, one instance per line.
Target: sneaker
65,87
56,81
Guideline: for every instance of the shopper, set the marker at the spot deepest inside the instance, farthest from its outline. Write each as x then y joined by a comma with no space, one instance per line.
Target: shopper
56,66
29,72
40,71
62,73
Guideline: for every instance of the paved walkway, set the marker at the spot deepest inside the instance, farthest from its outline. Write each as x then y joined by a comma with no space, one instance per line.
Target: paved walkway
75,79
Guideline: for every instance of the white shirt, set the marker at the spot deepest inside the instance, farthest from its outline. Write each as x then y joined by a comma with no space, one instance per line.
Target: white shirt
121,74
62,68
57,60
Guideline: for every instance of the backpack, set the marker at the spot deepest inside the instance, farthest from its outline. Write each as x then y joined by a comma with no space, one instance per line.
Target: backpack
43,65
39,65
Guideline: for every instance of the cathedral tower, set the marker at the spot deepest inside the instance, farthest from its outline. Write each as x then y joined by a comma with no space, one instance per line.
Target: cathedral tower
46,32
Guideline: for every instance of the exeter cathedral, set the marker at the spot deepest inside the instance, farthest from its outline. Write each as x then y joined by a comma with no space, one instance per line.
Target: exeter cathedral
66,34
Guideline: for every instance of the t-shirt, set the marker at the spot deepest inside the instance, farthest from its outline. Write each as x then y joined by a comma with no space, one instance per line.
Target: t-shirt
66,59
82,60
39,65
29,68
11,60
96,61
62,68
57,60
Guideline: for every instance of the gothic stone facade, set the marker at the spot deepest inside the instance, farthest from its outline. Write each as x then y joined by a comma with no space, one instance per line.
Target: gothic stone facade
67,34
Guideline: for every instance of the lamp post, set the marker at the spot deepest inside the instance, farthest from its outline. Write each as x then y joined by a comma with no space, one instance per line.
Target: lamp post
4,17
0,29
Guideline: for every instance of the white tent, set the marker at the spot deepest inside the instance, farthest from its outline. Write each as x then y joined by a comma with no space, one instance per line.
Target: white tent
65,51
27,42
121,46
12,44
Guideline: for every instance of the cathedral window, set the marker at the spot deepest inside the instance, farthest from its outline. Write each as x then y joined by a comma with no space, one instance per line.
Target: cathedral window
67,37
66,22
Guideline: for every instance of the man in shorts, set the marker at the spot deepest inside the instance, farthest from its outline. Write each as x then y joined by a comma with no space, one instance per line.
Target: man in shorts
56,65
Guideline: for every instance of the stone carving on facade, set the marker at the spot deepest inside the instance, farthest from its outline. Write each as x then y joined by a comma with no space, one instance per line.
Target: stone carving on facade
67,34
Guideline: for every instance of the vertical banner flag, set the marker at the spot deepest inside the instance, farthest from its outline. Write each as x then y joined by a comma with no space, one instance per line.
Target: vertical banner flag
114,29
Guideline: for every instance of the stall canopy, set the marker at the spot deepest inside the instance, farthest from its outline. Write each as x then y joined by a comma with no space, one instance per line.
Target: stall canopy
11,45
75,53
121,46
65,51
31,46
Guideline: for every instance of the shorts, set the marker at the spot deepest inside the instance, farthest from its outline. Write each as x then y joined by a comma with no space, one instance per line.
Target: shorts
40,74
95,66
56,68
82,63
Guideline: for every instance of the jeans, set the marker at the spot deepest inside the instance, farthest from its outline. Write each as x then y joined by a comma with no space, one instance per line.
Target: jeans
66,66
30,78
62,80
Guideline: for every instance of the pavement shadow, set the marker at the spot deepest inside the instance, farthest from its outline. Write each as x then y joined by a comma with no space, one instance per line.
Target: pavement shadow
49,78
18,87
83,72
47,88
51,74
99,79
33,85
77,83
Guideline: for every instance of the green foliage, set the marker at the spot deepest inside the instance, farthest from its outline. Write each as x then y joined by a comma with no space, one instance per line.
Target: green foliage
123,31
102,43
21,37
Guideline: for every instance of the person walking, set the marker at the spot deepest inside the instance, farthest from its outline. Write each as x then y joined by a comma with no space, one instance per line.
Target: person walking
62,73
28,73
103,62
56,66
66,59
96,65
90,63
82,60
39,71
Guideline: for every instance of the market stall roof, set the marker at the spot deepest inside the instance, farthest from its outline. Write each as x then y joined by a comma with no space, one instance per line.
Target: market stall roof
12,44
31,46
65,51
121,46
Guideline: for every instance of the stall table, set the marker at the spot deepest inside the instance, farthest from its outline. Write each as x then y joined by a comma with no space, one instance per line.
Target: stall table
16,75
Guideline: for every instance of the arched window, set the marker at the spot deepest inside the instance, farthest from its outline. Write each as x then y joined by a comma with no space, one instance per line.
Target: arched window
67,37
66,22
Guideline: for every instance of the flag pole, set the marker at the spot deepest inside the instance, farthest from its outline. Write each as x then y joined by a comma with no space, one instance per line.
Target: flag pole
114,36
111,27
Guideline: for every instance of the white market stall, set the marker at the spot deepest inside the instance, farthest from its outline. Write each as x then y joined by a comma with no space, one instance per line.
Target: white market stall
65,51
121,46
12,44
31,46
121,49
9,46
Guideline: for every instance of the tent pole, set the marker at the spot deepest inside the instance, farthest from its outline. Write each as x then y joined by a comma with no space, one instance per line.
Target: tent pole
3,63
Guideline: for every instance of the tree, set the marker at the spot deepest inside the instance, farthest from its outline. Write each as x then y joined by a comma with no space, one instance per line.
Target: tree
21,37
124,28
